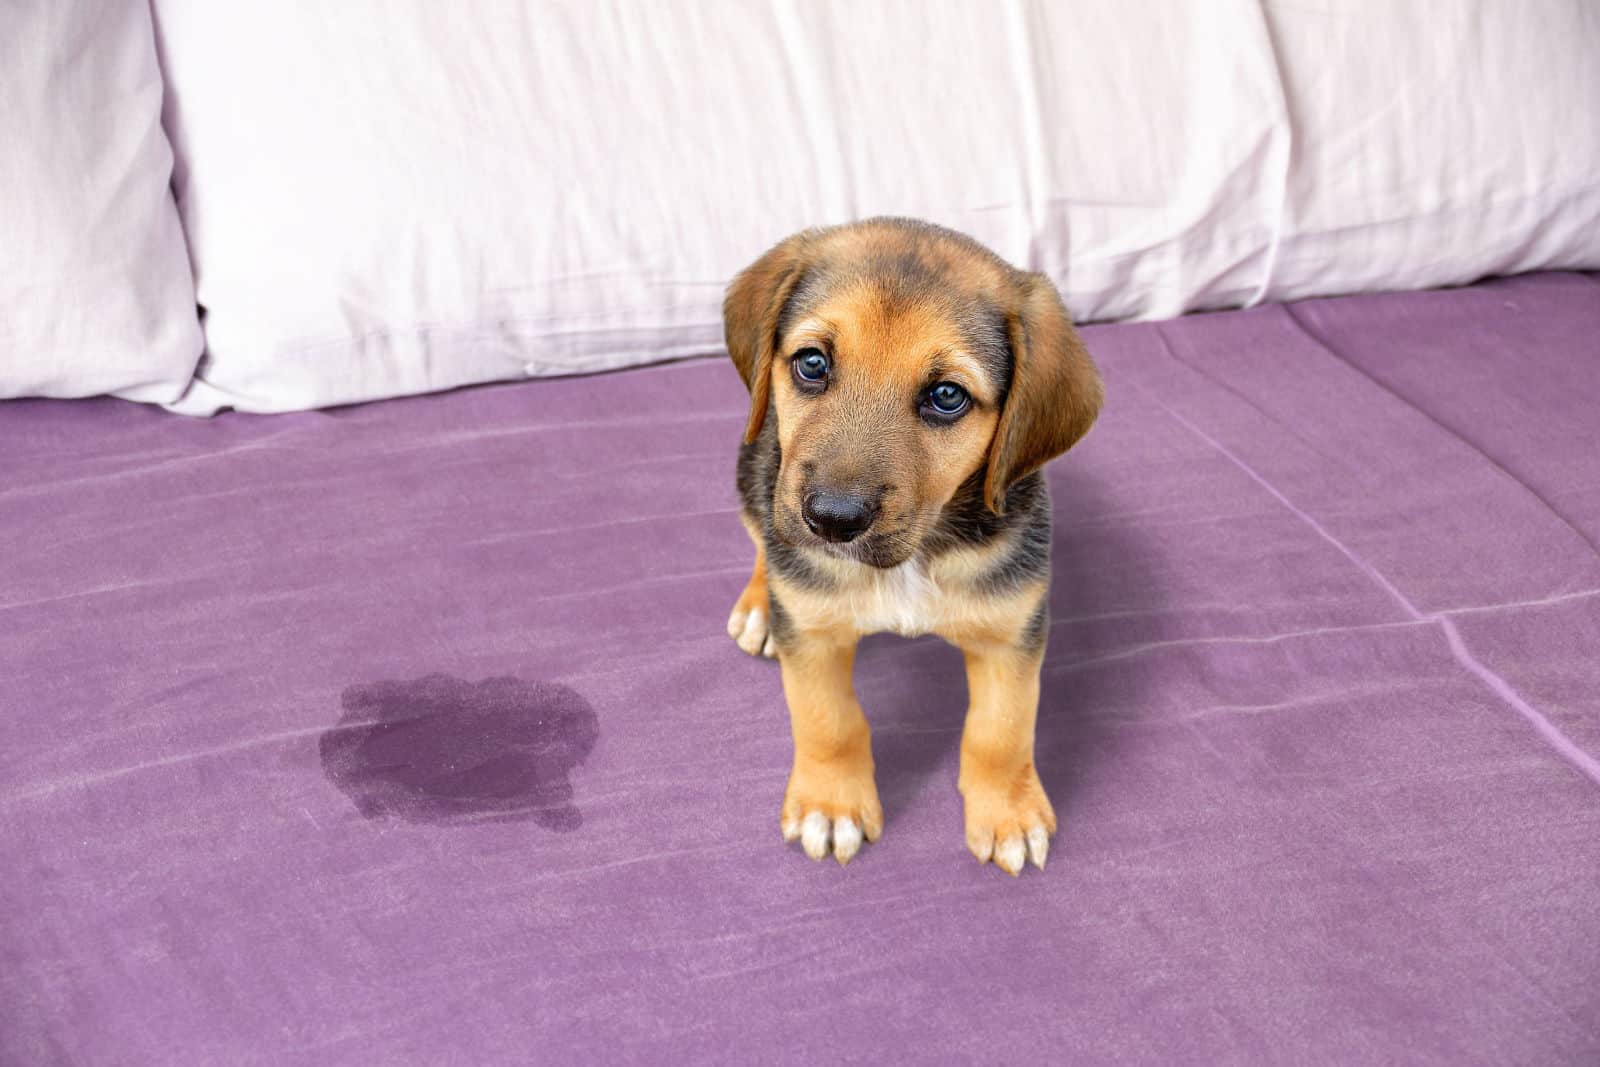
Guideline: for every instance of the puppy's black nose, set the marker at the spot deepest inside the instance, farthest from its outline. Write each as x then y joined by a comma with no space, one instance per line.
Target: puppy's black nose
838,516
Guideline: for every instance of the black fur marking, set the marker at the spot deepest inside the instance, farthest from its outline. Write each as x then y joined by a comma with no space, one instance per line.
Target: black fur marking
778,620
906,277
1025,562
1024,527
790,564
1033,634
985,330
818,281
805,283
757,482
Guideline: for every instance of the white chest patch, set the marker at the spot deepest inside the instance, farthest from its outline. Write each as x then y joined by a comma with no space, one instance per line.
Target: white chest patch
902,599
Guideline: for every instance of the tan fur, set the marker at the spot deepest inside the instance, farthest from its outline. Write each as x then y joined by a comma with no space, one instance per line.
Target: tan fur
890,350
999,784
833,769
1056,390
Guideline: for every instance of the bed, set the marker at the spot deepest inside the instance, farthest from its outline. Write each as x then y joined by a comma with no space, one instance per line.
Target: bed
409,732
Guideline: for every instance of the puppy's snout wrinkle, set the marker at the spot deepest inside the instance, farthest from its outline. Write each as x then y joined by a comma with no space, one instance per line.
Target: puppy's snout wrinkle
839,515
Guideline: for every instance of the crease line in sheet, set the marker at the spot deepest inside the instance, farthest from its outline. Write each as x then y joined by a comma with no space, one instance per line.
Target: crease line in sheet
1497,684
191,756
1323,343
1282,164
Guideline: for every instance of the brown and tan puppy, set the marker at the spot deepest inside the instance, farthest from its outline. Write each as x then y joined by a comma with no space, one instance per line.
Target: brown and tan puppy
906,385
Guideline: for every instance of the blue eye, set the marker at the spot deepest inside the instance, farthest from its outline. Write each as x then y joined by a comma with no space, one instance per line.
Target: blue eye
948,399
810,365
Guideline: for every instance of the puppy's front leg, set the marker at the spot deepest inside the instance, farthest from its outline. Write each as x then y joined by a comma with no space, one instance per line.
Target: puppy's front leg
1009,817
747,622
832,799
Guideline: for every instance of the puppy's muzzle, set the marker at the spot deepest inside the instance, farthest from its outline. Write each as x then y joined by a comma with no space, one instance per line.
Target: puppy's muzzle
838,515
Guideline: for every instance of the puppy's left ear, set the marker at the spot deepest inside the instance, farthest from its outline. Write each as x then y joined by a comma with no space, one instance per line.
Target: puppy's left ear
750,314
1055,390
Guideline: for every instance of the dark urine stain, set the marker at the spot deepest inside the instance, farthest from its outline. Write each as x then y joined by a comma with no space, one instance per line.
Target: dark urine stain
442,749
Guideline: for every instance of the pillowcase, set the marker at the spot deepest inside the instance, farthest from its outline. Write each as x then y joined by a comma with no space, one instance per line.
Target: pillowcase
1435,145
396,196
95,290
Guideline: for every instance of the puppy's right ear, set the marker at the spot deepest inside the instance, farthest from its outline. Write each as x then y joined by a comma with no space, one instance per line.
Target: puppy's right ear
750,314
1055,393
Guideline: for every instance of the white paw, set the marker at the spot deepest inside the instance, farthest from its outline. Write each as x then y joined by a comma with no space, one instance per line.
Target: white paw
750,632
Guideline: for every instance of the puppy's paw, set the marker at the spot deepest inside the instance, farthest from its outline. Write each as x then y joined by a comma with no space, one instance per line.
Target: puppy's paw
832,808
1009,819
747,624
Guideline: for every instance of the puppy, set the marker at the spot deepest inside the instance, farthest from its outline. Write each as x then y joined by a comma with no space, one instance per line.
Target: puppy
906,385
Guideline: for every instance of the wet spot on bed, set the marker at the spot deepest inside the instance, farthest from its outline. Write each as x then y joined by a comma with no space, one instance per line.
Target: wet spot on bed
442,749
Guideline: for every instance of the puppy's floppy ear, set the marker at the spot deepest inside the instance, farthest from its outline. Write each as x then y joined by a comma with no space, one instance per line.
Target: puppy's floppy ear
1055,390
750,314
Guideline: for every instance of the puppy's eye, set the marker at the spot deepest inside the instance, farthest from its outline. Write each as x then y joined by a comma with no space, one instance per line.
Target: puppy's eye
947,400
810,366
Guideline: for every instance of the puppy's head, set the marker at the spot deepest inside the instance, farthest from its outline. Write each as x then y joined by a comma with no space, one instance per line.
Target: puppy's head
899,360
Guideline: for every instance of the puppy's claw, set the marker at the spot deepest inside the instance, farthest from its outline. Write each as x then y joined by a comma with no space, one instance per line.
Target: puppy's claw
1038,846
769,649
846,839
872,825
981,844
791,829
814,835
1010,854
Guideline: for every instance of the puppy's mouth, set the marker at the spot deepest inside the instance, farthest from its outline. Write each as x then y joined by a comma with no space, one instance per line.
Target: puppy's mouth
881,551
881,548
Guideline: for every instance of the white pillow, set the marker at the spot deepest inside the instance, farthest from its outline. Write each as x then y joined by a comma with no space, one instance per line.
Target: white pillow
95,291
395,197
1436,144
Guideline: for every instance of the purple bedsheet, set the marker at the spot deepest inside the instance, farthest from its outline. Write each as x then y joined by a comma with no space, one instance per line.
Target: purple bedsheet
409,733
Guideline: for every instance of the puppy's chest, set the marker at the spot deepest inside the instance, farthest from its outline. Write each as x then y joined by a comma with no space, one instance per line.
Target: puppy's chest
912,599
904,600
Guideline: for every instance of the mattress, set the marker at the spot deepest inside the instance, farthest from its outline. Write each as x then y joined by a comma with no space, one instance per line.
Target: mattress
409,732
